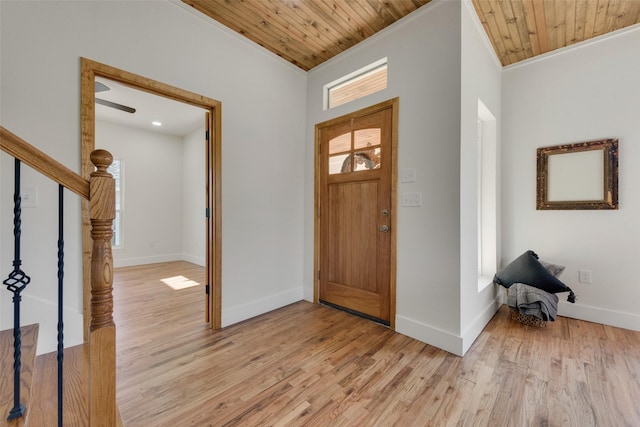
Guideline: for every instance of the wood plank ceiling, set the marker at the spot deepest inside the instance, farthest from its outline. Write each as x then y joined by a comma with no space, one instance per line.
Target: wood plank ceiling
522,29
309,32
306,32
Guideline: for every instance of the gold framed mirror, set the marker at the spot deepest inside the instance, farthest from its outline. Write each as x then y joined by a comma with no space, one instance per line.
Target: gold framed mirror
583,175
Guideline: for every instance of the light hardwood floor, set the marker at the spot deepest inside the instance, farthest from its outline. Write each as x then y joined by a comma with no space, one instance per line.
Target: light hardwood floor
306,364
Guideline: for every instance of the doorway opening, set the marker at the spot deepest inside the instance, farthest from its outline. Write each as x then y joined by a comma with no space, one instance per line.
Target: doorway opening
92,73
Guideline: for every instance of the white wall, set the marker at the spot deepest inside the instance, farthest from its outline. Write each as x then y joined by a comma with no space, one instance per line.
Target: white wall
423,52
194,177
587,93
263,114
152,216
481,79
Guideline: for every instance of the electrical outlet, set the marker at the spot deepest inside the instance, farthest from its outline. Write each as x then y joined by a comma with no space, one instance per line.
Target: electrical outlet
584,276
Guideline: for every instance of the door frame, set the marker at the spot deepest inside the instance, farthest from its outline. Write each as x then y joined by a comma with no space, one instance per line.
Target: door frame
393,104
89,70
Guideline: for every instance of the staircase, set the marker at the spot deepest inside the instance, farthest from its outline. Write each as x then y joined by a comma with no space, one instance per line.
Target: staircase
44,408
88,371
39,378
29,344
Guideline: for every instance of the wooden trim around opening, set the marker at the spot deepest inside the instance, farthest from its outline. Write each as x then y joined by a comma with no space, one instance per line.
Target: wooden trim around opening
393,104
89,70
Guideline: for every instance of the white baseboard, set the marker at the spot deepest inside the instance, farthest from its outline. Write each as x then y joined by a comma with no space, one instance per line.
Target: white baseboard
599,315
429,335
129,262
255,308
473,331
194,260
307,294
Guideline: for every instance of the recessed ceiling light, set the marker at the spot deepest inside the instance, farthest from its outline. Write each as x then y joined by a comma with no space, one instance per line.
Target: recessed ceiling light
156,123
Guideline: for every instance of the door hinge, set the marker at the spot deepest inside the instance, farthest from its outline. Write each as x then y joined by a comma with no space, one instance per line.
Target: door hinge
318,274
206,135
207,289
318,211
207,213
319,147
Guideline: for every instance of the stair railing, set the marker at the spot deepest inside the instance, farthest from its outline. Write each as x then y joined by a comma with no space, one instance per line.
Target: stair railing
16,283
99,190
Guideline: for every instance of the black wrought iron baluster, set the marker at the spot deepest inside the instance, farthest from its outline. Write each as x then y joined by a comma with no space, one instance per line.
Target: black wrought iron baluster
16,282
60,298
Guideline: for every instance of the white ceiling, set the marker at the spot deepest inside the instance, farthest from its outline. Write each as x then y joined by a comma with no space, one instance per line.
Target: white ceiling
177,118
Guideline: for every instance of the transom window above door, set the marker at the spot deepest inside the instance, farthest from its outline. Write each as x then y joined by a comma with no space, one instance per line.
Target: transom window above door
360,83
355,151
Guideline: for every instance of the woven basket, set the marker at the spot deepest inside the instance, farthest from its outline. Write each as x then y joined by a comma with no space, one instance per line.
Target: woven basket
526,319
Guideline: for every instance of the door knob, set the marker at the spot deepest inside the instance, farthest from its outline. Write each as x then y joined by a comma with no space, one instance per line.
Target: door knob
384,228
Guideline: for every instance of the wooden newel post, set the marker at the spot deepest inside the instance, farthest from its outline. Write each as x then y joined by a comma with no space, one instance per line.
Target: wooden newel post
102,333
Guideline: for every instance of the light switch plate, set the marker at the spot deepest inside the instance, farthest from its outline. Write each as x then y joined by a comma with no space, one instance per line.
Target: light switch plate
412,199
408,175
29,197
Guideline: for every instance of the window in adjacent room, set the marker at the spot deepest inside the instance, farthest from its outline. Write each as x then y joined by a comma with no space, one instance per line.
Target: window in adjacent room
117,170
487,196
362,82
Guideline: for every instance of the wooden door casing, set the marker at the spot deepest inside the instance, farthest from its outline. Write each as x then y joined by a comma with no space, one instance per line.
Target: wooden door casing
89,70
356,260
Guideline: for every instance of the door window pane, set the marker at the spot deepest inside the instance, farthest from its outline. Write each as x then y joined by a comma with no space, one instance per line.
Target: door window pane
338,163
340,144
368,159
366,138
364,155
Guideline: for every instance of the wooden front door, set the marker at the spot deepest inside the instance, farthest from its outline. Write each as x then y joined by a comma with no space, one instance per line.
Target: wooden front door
355,212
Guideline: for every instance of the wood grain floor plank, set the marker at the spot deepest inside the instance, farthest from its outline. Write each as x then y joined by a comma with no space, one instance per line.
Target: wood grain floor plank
29,341
75,389
310,365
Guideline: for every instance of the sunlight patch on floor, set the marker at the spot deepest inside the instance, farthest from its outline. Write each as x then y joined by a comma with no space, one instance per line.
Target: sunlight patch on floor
179,282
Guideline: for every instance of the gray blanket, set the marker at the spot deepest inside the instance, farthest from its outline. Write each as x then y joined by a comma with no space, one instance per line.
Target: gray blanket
533,301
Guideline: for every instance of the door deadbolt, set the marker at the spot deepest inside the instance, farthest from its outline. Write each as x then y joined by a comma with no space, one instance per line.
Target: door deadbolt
384,228
385,212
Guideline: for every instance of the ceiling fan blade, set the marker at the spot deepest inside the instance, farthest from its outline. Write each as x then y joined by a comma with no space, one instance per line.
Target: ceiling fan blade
100,87
115,105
